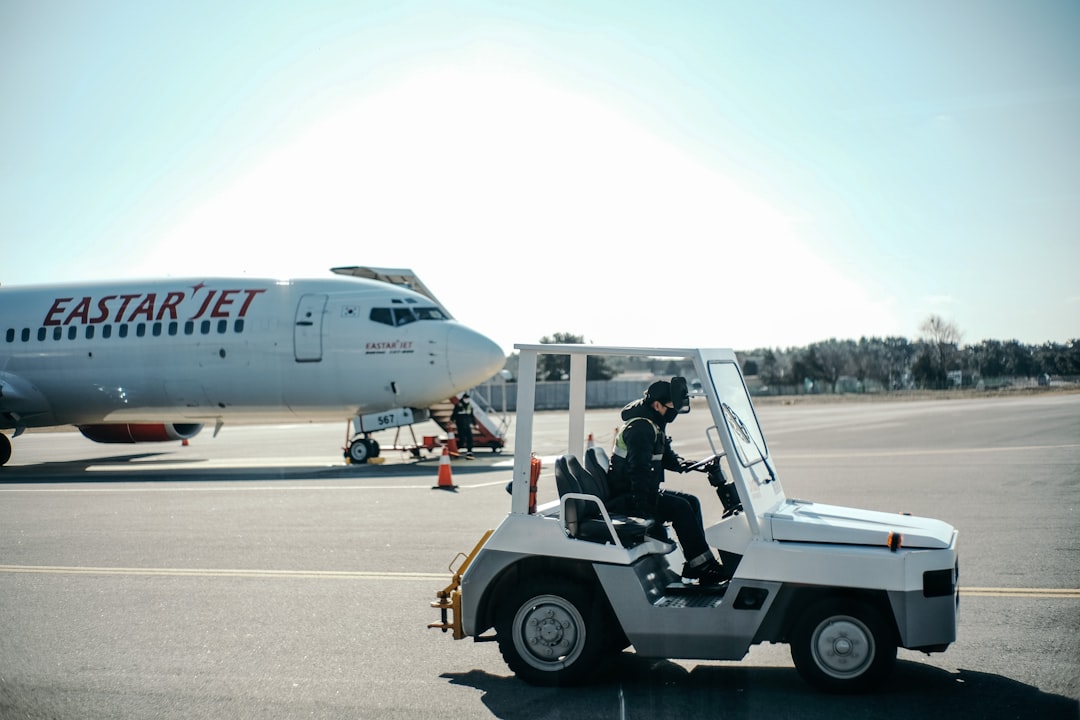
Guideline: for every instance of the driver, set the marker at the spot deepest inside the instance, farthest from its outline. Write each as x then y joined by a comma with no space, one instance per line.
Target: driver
641,454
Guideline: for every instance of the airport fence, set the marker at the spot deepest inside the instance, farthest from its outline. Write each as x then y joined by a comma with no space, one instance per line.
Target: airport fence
555,394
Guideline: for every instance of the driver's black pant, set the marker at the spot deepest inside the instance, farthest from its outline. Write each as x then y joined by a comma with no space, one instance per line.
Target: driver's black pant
464,434
683,511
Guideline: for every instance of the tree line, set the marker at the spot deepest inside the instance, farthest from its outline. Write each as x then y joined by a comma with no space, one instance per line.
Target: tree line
895,363
936,360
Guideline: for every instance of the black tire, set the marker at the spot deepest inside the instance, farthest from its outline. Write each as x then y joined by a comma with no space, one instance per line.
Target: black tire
843,645
552,632
362,450
5,448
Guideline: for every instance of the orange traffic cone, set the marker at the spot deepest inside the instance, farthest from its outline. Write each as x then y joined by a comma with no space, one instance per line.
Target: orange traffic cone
445,481
184,442
451,442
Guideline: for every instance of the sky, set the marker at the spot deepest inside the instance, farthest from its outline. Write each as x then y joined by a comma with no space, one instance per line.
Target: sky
657,174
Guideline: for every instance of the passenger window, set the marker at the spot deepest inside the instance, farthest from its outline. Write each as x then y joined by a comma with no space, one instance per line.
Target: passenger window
189,327
222,326
204,327
73,332
156,329
238,326
57,333
173,327
106,331
89,332
42,333
123,331
140,330
11,334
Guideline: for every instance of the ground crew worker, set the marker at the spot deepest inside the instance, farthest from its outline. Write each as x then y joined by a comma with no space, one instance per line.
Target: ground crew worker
463,418
641,454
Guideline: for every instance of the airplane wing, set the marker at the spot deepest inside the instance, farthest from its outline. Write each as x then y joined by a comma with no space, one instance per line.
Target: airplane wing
20,403
394,276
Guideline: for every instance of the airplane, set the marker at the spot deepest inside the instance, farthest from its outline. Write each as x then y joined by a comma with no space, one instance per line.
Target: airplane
156,360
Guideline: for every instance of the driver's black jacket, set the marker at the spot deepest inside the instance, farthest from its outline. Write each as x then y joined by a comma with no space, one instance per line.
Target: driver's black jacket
641,454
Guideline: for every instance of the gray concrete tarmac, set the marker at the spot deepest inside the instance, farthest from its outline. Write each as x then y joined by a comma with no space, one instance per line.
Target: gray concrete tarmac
255,575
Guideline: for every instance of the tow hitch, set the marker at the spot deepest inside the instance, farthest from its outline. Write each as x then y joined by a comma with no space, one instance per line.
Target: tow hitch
449,599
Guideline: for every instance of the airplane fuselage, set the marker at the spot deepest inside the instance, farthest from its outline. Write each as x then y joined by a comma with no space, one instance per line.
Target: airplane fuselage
228,349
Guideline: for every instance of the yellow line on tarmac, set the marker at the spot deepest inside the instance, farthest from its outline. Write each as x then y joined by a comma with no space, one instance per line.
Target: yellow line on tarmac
214,572
1038,593
1041,593
151,487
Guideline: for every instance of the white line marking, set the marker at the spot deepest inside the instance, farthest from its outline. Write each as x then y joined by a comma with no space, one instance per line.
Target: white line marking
894,453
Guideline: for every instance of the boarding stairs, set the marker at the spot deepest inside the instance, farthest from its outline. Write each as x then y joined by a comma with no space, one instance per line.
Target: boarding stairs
489,425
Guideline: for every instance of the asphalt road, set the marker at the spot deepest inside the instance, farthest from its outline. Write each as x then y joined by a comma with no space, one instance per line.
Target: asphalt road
253,575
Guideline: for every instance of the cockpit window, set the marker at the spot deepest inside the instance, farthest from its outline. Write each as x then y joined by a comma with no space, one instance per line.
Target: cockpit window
398,316
429,313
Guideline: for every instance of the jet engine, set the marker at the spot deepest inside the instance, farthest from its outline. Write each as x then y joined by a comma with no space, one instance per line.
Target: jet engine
140,432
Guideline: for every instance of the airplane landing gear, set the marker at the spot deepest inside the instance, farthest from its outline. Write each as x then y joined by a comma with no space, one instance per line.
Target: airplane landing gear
361,449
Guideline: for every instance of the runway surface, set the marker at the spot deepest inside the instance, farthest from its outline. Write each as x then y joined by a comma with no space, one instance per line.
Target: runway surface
255,575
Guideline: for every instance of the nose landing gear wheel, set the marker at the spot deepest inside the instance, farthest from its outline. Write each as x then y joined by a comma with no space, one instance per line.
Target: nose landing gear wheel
362,449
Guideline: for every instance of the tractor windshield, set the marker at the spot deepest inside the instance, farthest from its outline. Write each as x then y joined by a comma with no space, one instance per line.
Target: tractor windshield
738,412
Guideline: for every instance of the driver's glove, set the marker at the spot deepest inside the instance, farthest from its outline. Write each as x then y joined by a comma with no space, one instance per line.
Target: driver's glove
717,477
686,465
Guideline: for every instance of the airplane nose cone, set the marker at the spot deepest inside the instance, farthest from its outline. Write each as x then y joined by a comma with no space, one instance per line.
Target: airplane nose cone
472,357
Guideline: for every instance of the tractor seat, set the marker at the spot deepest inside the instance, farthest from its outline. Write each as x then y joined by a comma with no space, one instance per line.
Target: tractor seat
597,464
582,516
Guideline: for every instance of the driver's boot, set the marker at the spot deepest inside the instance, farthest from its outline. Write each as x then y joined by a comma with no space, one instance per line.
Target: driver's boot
709,572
